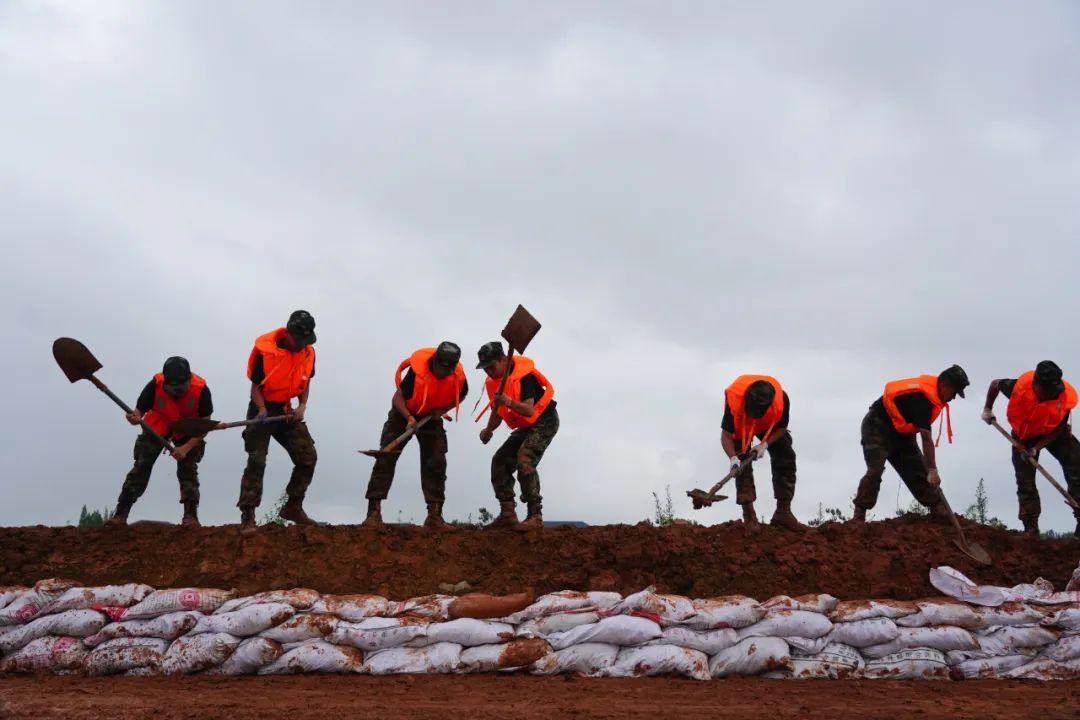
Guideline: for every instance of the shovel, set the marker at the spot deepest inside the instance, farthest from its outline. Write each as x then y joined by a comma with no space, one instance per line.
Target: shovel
391,447
78,363
520,329
1019,446
975,551
197,427
703,499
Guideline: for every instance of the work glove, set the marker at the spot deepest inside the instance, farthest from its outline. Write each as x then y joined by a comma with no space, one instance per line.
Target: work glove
759,451
933,478
735,463
988,416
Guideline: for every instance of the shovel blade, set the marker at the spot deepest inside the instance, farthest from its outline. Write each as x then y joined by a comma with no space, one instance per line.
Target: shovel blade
379,453
77,362
193,427
703,499
520,329
975,551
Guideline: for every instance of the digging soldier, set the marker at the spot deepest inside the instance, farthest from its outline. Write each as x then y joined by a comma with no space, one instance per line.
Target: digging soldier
281,367
756,406
527,406
908,408
1040,405
172,394
434,382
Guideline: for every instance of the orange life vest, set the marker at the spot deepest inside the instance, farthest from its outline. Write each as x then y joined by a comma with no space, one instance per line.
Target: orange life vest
747,427
285,374
522,368
167,409
430,391
925,384
1031,417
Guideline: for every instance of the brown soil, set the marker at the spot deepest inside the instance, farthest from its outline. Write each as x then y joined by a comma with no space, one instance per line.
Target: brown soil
884,559
503,697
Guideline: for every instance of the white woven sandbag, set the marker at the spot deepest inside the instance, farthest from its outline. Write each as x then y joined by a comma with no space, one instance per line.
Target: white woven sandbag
731,611
834,662
161,602
353,608
660,660
433,607
854,610
123,654
587,659
989,668
1016,636
622,630
307,626
1047,669
784,623
8,593
433,659
819,603
246,622
1066,648
148,671
467,632
808,646
549,624
563,602
751,656
317,656
250,656
938,637
670,608
168,627
26,606
83,598
519,653
955,584
297,598
72,623
1010,613
1067,619
920,664
376,633
709,642
193,653
54,653
864,633
942,612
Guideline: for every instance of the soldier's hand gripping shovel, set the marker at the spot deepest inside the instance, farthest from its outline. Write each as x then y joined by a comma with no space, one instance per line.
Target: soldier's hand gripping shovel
78,363
391,447
975,551
1019,446
520,329
197,427
703,499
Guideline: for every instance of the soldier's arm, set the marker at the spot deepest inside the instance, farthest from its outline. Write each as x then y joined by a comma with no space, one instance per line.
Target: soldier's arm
992,393
928,449
398,401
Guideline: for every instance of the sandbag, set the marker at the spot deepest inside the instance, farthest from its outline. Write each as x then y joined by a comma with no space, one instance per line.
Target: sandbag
8,593
353,608
1010,613
161,602
731,611
193,653
565,601
622,630
54,653
519,653
782,623
808,646
307,626
751,656
84,598
1067,619
433,659
660,660
944,611
250,656
316,657
73,623
818,603
921,664
669,608
147,671
987,668
550,624
376,633
1047,669
433,607
1010,636
250,620
482,606
941,638
854,610
587,659
1067,648
864,633
24,607
709,642
955,584
834,662
123,654
297,598
467,632
168,627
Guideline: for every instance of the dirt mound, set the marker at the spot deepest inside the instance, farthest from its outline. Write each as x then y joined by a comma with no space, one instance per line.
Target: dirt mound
881,559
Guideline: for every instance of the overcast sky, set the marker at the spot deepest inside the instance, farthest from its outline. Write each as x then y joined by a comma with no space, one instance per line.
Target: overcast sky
835,193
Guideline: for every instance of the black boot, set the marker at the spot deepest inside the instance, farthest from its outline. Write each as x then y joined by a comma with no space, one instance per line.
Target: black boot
507,517
247,521
119,518
374,514
191,514
293,511
534,520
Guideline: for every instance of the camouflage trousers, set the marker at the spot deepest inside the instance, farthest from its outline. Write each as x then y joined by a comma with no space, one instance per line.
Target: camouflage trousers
881,443
782,460
147,450
1066,450
522,452
294,438
433,446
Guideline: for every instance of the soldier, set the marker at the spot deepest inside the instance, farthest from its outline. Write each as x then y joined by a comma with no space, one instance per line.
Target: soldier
1040,404
528,407
172,394
281,367
433,384
907,408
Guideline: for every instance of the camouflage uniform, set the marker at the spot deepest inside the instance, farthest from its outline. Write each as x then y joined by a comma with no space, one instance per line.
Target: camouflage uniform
881,442
433,447
523,451
1066,450
146,452
296,440
782,460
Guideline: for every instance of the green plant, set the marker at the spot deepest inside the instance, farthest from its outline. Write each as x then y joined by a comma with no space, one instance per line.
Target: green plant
825,515
484,518
93,518
914,508
273,515
663,510
979,510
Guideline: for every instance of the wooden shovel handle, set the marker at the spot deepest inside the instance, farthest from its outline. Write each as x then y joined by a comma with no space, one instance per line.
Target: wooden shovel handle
406,435
112,396
245,423
1019,446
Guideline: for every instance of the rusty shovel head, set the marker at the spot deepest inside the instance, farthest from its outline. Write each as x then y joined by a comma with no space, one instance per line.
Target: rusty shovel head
77,362
193,427
520,329
975,551
379,453
703,499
